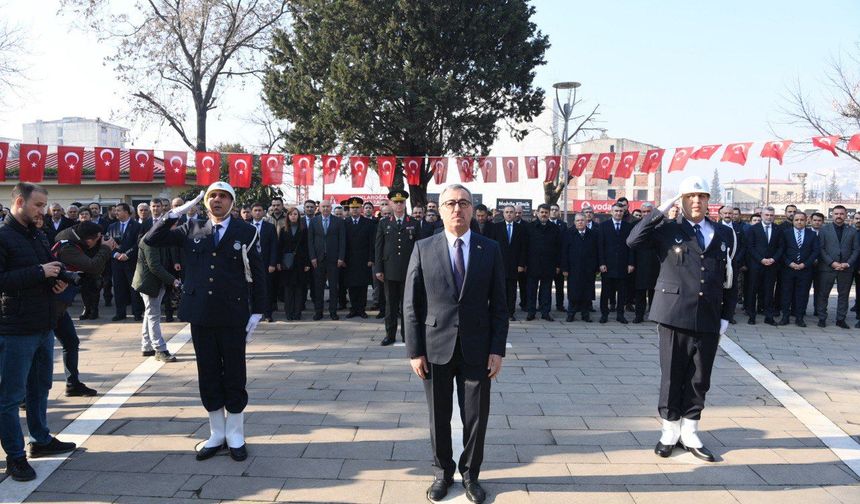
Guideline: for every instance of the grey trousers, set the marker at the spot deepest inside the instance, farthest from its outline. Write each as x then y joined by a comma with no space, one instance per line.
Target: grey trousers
150,332
843,280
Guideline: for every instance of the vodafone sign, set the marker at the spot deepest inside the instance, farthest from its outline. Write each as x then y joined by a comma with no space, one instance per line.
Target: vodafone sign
602,206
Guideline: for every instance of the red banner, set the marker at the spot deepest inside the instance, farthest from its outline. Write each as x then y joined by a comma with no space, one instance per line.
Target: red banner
240,167
175,168
358,168
303,169
439,165
31,162
331,165
208,166
532,167
107,164
775,150
679,160
487,165
827,143
141,165
552,165
464,166
603,169
70,163
653,158
412,169
705,152
511,169
853,144
385,168
737,153
580,164
272,167
626,165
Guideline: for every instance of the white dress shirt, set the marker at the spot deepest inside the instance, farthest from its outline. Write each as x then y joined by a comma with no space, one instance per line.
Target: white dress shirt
706,228
223,229
452,252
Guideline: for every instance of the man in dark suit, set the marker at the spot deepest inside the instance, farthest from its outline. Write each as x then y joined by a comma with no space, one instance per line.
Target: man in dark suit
558,281
801,251
360,245
739,259
764,253
327,252
646,272
456,330
511,238
125,231
579,266
816,222
617,261
56,223
482,219
543,262
267,247
840,248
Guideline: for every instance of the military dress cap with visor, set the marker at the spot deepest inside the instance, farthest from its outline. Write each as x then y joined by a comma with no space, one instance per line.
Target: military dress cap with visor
398,195
354,202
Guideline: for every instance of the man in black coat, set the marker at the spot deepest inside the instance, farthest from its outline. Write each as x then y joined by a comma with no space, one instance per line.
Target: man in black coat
543,255
125,231
511,238
646,272
579,265
360,244
56,223
556,218
802,249
617,261
482,220
764,253
739,259
327,253
267,247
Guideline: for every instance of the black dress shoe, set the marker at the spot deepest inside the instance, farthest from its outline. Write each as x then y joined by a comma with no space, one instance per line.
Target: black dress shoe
117,318
547,317
751,321
317,316
663,450
570,317
79,390
842,324
700,453
239,454
770,321
207,453
362,315
19,469
801,323
474,492
439,489
622,320
387,341
334,316
350,315
530,317
586,317
822,323
604,319
784,321
52,447
148,353
270,319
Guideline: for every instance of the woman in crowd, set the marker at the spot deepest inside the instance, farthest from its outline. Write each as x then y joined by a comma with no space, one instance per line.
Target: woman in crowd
293,265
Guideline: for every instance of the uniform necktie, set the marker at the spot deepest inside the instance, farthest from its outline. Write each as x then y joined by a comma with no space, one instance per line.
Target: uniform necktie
510,232
459,265
217,234
699,236
399,222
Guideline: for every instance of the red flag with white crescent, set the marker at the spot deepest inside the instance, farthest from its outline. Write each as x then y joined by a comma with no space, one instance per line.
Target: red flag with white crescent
679,160
737,153
303,169
272,169
175,168
31,162
827,143
653,159
141,164
358,167
580,165
208,166
385,166
4,155
511,169
853,145
107,164
553,163
603,166
487,165
439,165
70,161
705,152
465,165
532,167
331,165
412,169
239,168
775,150
627,164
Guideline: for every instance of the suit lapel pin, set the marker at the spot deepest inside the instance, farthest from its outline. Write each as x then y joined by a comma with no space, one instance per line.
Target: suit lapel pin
479,247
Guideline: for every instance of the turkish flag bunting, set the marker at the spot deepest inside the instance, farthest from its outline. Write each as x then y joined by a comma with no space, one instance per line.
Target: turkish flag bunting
303,169
272,169
627,164
175,168
603,169
653,158
827,143
465,167
141,164
532,166
853,145
580,165
70,161
439,165
552,165
107,164
385,166
4,154
705,152
31,162
679,160
412,169
239,168
488,168
358,166
511,169
331,165
737,153
775,149
208,166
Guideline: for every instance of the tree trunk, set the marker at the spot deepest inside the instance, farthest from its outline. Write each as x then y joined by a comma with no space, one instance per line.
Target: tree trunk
201,130
418,195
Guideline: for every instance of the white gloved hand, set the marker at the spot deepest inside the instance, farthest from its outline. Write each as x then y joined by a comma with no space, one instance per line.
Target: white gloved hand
252,324
179,211
666,205
724,325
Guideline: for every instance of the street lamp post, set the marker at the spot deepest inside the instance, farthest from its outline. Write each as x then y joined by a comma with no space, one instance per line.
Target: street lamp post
566,110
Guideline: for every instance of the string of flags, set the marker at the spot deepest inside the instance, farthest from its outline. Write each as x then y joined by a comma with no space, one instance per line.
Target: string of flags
140,164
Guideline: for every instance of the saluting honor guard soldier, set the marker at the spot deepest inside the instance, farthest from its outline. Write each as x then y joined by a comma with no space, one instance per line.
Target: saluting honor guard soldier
395,238
224,298
691,307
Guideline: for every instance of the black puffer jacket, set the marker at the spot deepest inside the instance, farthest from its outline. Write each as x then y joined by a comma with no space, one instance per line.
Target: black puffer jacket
26,298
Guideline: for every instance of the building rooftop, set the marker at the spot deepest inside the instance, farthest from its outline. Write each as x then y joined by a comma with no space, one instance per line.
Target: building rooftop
761,181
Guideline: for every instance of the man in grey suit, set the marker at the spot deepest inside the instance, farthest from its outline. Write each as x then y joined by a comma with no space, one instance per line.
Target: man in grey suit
327,251
840,247
456,322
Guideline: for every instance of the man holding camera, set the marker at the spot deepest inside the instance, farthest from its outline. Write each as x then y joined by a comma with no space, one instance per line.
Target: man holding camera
28,284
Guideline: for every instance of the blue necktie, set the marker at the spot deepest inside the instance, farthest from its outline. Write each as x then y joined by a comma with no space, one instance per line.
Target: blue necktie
699,236
459,265
510,232
217,234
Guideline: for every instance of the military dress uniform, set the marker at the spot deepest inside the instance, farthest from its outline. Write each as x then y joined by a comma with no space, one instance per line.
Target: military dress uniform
394,241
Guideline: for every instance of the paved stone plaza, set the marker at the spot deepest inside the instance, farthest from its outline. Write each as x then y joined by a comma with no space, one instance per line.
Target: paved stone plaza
334,417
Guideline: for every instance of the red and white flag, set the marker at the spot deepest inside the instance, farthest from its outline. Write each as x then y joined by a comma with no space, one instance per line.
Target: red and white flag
580,165
532,167
70,163
240,166
737,153
331,165
626,164
439,165
511,169
679,160
272,169
603,167
31,162
553,163
385,166
175,168
303,169
412,166
488,168
358,166
705,152
107,164
4,155
208,166
141,165
775,149
465,165
853,145
653,159
827,143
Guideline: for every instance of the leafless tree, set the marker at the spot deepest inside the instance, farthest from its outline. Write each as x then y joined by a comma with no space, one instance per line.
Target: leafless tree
273,131
11,61
170,51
